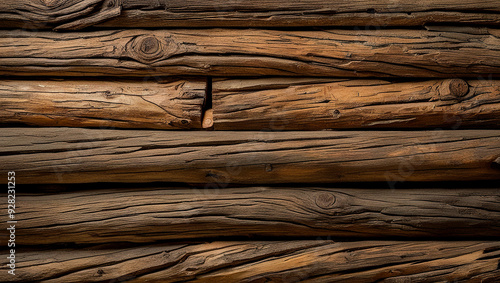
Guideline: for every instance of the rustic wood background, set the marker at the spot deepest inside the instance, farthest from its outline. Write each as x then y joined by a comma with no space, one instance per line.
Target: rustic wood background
252,141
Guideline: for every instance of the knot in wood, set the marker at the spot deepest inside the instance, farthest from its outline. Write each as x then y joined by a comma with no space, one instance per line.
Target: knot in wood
325,200
50,3
147,49
453,89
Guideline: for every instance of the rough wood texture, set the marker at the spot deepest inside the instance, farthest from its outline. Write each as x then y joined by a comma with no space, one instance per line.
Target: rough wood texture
258,261
75,14
146,215
315,104
72,155
121,104
442,52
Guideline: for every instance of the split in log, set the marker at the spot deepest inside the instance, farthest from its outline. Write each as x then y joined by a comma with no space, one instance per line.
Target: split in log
147,215
441,52
77,155
76,14
266,261
121,104
316,104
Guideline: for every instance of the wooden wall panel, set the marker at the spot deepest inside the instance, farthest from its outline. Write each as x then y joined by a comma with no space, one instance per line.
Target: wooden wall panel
72,155
438,52
316,104
272,261
172,213
77,14
91,103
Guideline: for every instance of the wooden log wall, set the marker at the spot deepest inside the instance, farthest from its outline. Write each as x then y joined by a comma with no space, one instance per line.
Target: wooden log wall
250,141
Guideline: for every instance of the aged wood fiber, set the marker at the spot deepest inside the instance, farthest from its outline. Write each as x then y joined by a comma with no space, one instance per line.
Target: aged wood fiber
76,14
258,261
146,215
316,104
121,104
446,52
73,155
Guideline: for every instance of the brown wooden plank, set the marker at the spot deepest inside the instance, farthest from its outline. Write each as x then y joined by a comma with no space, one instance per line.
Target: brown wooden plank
317,104
121,104
443,52
76,14
258,261
75,155
145,215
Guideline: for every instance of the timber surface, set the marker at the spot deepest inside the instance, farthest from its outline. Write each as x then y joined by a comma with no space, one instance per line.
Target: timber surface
104,104
76,155
147,215
442,52
77,14
316,104
260,261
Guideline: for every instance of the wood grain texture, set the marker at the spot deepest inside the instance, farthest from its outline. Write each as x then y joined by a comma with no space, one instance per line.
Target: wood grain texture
316,104
146,215
73,155
120,104
76,14
441,52
261,261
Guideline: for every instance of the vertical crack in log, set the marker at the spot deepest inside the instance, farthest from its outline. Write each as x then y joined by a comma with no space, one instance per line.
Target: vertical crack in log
207,111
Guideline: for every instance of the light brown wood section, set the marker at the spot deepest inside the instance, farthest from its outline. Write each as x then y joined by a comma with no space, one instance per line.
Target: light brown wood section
76,14
120,104
316,104
445,52
171,213
258,261
74,155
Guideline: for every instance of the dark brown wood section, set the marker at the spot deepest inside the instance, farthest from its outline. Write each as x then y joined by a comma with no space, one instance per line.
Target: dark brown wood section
66,155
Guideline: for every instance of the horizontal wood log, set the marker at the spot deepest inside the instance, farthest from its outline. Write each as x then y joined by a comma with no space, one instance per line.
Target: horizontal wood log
441,52
75,155
316,104
76,14
259,261
120,104
146,215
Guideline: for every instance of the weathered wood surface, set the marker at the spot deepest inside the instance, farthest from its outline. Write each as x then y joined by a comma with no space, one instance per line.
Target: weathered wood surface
259,261
76,14
76,155
441,52
316,104
121,104
146,215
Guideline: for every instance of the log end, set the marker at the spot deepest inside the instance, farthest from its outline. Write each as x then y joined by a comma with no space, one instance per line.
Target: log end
208,119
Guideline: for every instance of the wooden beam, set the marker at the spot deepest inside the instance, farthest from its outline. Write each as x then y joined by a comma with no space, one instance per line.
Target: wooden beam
317,104
77,14
146,215
441,52
74,155
121,104
258,261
